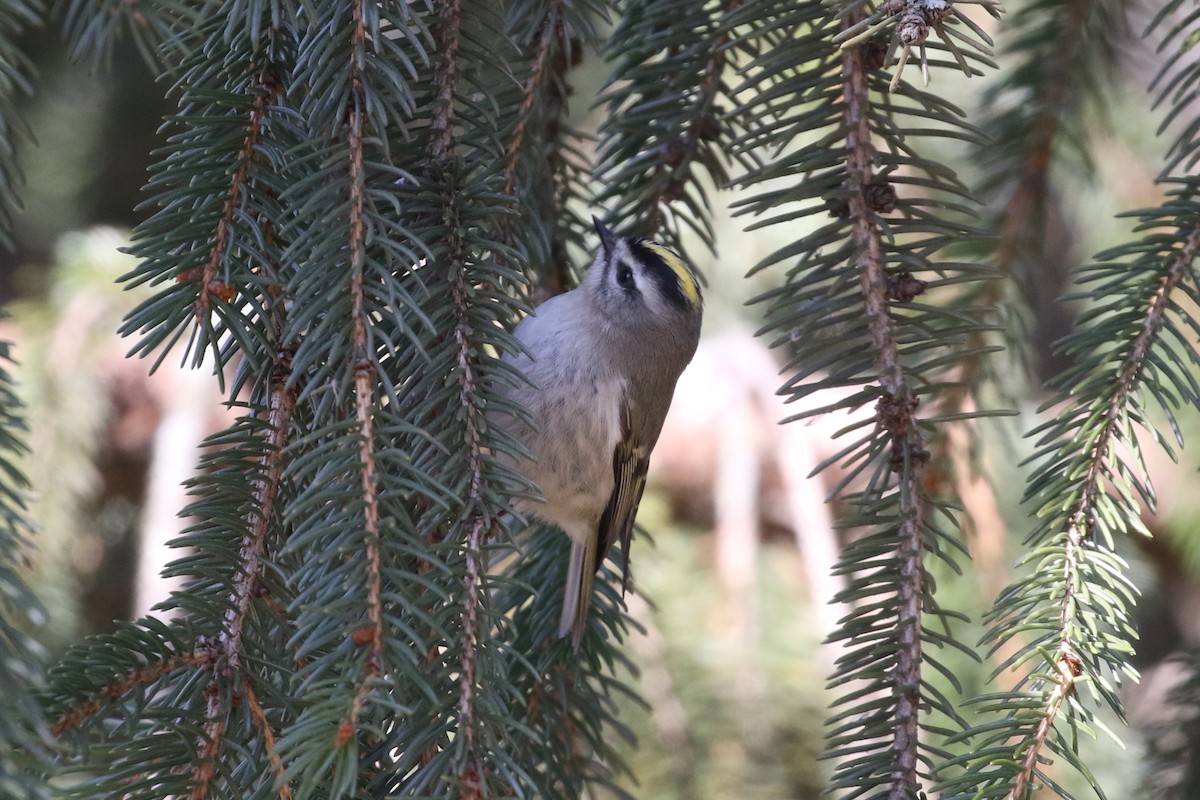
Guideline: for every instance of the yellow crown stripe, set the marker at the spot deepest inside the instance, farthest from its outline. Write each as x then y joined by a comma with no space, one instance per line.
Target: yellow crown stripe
687,278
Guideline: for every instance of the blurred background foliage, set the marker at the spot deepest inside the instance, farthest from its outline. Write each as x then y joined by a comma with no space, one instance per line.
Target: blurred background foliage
729,662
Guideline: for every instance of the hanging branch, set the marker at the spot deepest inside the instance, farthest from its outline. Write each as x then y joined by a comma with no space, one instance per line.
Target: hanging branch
868,302
546,171
265,91
24,757
474,775
665,127
205,659
267,732
364,369
1074,603
227,648
523,146
281,407
1067,52
357,317
1064,56
208,279
1076,606
15,17
159,28
549,47
444,80
895,414
117,690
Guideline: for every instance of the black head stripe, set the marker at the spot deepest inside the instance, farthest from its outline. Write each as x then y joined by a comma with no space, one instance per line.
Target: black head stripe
660,273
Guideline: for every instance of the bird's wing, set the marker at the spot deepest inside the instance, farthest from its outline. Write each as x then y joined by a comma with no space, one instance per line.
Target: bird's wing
631,459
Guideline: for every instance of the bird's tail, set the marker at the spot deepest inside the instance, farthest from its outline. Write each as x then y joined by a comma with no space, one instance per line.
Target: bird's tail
580,573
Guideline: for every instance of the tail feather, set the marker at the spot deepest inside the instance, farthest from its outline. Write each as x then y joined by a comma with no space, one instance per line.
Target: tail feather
578,596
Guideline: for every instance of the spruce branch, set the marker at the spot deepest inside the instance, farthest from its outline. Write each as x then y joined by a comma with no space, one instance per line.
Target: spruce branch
549,45
870,302
537,99
267,731
473,779
216,188
209,746
158,28
445,79
1035,121
216,235
265,90
895,413
15,17
1070,662
227,649
263,513
666,126
1131,344
220,654
546,173
121,686
24,755
364,367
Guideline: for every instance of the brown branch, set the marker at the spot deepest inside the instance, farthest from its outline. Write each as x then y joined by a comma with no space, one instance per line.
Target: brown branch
205,762
551,35
473,779
1068,670
266,492
226,650
265,89
895,415
364,373
445,80
1081,519
223,653
704,125
114,691
1024,213
268,733
1025,210
548,97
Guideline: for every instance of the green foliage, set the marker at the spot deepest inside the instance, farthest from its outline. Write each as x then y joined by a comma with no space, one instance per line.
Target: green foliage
15,18
94,27
546,169
24,743
663,134
1065,626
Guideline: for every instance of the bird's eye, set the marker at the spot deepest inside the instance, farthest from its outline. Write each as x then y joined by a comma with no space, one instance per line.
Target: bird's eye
625,277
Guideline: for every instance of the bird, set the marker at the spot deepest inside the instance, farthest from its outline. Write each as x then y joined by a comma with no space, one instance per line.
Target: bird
601,362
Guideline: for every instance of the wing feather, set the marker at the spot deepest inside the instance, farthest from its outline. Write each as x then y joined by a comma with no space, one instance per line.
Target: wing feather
631,459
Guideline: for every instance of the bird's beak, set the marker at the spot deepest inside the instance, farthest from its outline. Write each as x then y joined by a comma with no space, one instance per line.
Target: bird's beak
607,239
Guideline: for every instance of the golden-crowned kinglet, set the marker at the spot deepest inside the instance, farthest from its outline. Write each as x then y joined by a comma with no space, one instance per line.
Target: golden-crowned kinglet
603,361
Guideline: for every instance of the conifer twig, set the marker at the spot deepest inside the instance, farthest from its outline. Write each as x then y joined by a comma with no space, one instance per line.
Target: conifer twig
895,414
259,715
124,684
265,90
549,44
364,373
1067,665
473,779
